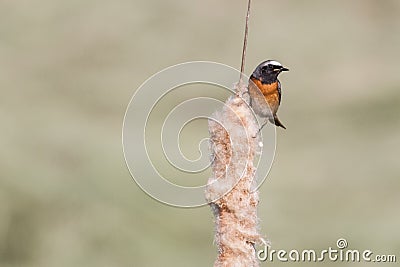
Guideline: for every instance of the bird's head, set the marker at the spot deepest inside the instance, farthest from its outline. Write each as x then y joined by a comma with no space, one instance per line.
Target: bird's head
268,71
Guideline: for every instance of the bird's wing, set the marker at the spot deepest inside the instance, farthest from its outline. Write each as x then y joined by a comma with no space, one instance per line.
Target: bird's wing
279,91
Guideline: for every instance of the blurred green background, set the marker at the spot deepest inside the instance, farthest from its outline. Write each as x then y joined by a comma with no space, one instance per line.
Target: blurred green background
69,68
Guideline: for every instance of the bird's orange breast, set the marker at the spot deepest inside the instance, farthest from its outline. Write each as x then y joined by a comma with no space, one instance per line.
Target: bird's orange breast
270,93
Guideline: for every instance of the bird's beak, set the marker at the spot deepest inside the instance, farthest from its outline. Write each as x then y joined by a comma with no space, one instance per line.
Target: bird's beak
284,69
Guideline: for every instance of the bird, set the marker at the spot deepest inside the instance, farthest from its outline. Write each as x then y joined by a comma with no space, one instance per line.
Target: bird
265,91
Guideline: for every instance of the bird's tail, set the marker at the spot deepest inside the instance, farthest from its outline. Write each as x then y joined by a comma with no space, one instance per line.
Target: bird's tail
277,122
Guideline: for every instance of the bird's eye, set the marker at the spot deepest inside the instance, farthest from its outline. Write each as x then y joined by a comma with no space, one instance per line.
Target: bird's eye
270,67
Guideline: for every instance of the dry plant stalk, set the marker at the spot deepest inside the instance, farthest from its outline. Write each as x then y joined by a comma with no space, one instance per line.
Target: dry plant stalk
234,148
231,190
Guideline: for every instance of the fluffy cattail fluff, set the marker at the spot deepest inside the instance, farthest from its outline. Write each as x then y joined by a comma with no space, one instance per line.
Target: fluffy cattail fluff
231,189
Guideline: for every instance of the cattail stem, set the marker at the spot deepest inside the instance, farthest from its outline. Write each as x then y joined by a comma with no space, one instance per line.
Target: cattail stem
231,190
246,33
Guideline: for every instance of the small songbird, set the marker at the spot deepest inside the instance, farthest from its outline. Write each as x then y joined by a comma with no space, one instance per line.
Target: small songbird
265,91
